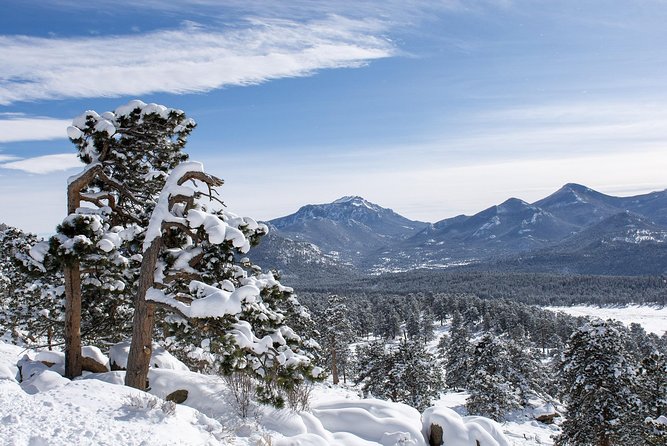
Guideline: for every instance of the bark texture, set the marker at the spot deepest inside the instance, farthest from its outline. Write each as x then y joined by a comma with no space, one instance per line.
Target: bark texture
141,348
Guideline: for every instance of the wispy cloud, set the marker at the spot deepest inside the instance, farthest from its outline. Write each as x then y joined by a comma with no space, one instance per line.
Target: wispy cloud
565,128
394,11
188,59
23,128
44,164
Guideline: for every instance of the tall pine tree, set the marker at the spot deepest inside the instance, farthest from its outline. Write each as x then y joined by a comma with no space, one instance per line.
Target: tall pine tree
599,386
336,336
492,392
458,354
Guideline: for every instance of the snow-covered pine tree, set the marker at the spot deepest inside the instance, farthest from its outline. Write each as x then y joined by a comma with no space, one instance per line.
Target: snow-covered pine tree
599,385
414,377
655,431
525,370
639,343
653,393
336,336
441,307
193,266
371,365
128,154
406,374
31,293
388,321
492,393
427,325
458,354
413,323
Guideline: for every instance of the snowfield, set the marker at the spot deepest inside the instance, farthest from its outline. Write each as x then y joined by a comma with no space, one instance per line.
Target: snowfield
653,319
47,409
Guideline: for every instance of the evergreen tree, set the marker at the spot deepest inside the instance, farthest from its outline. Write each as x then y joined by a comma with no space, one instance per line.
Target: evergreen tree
655,431
388,322
31,309
440,308
407,374
638,343
525,370
598,386
492,393
427,325
337,334
413,325
653,393
458,354
128,152
147,239
414,377
371,365
194,266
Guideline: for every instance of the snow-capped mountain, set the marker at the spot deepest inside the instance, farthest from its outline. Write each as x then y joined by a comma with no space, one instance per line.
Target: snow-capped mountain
573,226
347,229
510,227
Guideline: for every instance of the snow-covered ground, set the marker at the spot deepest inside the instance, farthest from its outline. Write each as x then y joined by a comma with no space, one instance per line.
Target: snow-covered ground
653,319
47,409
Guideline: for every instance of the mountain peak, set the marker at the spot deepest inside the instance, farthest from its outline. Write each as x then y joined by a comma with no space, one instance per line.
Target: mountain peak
513,202
349,198
576,187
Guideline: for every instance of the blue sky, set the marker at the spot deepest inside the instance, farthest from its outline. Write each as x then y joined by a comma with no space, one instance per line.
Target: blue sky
431,108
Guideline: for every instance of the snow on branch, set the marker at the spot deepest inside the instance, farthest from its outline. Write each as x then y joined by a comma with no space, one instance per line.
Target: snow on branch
178,206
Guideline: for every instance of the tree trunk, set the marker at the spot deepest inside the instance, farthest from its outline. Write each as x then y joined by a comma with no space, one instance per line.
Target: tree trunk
334,366
141,347
73,360
72,275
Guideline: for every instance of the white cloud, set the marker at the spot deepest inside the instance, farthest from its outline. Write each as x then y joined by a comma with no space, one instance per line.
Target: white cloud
21,128
190,59
45,164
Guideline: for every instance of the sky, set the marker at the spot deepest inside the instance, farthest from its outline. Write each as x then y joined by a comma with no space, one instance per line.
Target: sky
432,108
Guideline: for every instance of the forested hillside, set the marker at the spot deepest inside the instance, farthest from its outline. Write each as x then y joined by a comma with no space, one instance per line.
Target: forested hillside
537,289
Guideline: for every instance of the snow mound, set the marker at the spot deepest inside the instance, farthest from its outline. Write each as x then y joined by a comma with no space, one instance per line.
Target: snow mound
92,412
99,410
43,380
463,431
377,421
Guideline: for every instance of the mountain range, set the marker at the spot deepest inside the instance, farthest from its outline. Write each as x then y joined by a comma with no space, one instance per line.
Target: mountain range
575,230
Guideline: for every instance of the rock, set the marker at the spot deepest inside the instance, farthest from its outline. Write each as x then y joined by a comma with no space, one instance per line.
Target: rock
178,396
547,418
92,365
115,367
435,436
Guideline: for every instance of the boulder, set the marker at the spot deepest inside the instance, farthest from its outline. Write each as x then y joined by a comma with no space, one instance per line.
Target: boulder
92,365
178,397
547,418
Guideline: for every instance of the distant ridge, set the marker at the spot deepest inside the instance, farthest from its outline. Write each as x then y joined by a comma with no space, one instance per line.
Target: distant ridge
572,230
